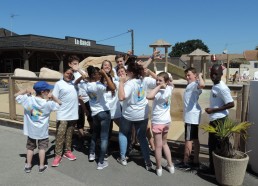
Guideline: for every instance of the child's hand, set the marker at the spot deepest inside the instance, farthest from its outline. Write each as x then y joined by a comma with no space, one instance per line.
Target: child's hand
157,55
74,67
208,110
129,52
29,91
200,75
122,79
140,62
50,96
102,72
163,86
146,71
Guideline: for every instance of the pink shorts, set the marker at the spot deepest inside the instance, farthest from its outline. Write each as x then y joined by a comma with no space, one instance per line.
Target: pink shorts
160,128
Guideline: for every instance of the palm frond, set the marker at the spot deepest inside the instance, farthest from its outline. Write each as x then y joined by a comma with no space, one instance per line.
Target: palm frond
224,131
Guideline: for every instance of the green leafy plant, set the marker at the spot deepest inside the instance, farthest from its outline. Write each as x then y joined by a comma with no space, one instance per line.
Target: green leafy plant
224,131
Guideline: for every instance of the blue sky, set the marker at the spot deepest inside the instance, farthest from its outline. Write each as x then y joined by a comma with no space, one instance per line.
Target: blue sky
220,24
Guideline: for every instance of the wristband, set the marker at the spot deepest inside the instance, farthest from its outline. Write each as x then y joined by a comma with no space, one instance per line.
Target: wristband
152,57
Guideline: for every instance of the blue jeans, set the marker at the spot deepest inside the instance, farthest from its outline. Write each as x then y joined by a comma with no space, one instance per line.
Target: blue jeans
125,131
101,123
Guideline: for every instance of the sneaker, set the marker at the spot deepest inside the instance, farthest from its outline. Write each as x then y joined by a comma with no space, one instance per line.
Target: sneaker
122,161
159,171
184,166
148,166
92,157
41,170
56,161
27,169
69,155
106,157
171,169
102,165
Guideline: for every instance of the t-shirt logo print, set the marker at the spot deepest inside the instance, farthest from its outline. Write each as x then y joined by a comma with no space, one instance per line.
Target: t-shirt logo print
140,94
166,104
35,113
93,96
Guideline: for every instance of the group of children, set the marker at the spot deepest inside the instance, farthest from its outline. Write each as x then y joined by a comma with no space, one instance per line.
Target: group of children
119,95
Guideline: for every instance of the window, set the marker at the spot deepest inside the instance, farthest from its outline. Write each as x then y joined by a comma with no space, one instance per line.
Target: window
255,65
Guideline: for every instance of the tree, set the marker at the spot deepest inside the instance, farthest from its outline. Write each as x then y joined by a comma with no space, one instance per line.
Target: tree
188,47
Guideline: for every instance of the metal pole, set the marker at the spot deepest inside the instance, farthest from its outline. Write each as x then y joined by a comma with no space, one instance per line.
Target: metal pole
132,37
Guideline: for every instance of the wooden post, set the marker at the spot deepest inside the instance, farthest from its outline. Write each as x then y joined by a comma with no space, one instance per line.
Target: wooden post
227,76
12,104
238,142
61,66
245,96
241,114
204,68
191,61
154,61
166,59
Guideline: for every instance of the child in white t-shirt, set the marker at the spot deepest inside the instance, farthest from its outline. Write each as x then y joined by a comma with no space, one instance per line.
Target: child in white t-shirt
161,119
37,110
100,112
66,116
192,116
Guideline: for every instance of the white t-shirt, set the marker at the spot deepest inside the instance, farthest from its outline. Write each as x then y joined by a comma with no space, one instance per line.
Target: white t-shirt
192,109
66,92
36,115
161,106
113,101
220,95
95,91
82,92
135,106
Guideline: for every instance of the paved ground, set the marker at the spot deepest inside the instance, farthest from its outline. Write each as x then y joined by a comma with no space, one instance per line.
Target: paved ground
82,172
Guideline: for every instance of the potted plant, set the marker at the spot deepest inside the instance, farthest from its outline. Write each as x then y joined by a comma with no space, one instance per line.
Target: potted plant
230,164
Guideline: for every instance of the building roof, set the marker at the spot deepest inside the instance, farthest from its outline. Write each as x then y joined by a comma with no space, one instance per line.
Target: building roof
4,33
160,43
43,43
219,57
224,57
251,55
199,52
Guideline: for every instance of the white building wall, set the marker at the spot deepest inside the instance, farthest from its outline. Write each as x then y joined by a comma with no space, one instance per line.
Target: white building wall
252,141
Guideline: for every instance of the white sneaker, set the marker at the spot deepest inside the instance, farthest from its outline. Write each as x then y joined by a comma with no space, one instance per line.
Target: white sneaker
102,165
159,171
171,169
92,157
122,161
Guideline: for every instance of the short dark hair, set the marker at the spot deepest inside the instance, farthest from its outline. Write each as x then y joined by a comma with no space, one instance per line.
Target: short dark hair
119,56
73,58
193,70
164,75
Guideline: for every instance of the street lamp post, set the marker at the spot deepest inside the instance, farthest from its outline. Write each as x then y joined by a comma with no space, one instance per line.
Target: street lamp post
132,37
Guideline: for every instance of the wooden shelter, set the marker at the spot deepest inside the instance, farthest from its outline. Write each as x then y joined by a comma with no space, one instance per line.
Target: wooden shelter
161,44
199,52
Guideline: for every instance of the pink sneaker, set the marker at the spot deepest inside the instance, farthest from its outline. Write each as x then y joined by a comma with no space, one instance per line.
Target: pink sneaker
69,155
56,161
